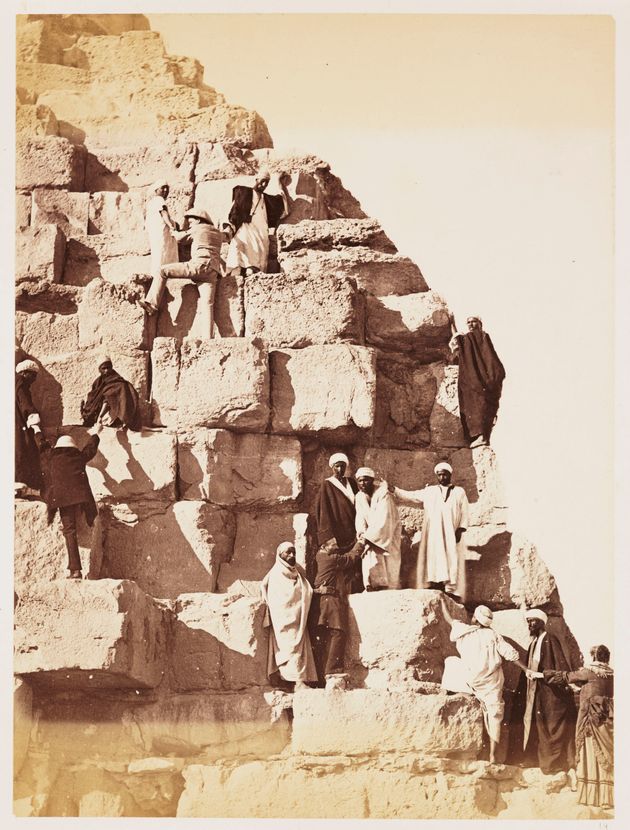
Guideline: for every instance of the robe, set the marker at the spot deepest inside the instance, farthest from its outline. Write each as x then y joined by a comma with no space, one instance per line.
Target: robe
378,520
550,715
119,396
27,463
252,214
440,557
479,670
162,242
479,384
335,516
288,596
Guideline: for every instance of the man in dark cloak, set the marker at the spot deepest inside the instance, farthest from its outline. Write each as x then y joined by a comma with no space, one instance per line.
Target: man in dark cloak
335,514
28,472
112,400
481,376
549,714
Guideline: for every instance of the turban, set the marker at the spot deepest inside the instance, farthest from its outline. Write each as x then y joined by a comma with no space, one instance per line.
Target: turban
442,466
26,366
338,456
263,174
473,317
483,615
536,614
66,442
283,547
103,358
158,184
364,472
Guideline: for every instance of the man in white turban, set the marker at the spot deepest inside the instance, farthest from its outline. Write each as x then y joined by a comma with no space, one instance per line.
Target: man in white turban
288,595
479,668
28,474
441,555
160,227
378,525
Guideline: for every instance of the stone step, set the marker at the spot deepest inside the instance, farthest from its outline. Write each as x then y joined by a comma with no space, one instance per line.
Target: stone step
334,233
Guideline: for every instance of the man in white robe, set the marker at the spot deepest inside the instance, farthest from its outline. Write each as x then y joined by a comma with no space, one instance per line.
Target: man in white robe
377,524
288,594
160,228
479,668
441,556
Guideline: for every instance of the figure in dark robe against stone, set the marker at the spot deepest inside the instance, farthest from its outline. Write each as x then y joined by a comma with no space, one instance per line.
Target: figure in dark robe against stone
548,714
335,514
28,474
112,400
480,380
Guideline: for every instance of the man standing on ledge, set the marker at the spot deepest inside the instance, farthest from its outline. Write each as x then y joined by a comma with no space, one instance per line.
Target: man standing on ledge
480,380
441,557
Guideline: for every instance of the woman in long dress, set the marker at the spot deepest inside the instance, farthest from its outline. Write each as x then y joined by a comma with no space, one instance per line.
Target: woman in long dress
160,228
594,743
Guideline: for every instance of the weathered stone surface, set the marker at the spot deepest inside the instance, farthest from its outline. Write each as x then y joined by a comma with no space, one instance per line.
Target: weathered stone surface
229,306
215,196
120,168
39,40
22,721
364,721
411,647
219,643
40,333
330,234
133,54
65,379
22,210
373,271
215,383
110,257
239,470
405,395
40,550
39,254
257,538
417,323
35,121
89,634
222,161
39,77
109,316
323,388
47,297
120,214
133,466
445,423
303,311
168,549
49,162
69,211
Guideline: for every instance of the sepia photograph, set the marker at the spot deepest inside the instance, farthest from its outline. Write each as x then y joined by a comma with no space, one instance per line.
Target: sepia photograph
315,333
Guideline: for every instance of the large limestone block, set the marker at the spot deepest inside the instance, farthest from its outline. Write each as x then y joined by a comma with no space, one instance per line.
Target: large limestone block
113,258
445,423
229,306
417,323
215,726
328,235
49,162
39,254
222,123
40,552
126,56
213,383
239,470
47,297
65,379
39,39
405,396
323,388
69,211
410,647
257,538
115,213
304,311
373,271
364,721
90,634
407,469
131,166
40,333
35,121
133,466
22,721
186,71
39,77
219,643
110,316
167,549
222,161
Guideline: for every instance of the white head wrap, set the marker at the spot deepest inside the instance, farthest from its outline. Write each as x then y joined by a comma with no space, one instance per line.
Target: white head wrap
103,358
483,615
473,317
283,547
157,185
263,174
338,456
364,472
26,366
443,465
536,614
66,442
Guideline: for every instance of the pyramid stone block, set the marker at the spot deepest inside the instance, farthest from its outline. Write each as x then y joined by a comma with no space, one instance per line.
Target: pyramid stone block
49,162
69,211
39,254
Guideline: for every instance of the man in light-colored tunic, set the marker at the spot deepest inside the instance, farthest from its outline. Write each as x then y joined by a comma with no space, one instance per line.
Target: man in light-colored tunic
288,595
479,670
160,228
378,525
441,557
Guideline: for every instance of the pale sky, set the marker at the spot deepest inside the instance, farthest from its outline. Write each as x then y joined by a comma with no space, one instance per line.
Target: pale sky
484,145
